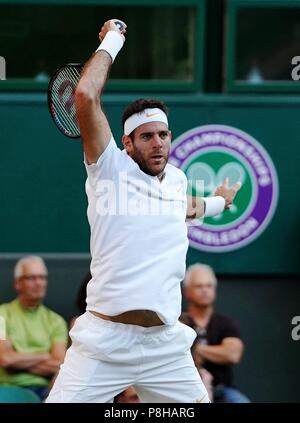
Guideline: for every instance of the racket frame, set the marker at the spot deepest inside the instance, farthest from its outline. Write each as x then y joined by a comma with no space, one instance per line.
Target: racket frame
54,115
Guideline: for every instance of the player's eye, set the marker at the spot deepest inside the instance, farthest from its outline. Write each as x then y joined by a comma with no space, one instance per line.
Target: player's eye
146,136
163,134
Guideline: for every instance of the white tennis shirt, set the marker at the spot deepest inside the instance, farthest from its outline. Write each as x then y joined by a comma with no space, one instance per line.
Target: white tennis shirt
138,237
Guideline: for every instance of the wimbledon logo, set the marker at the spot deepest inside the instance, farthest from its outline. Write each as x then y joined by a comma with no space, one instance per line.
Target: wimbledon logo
212,152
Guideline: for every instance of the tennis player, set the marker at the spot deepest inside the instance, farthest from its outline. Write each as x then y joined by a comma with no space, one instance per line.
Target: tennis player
130,333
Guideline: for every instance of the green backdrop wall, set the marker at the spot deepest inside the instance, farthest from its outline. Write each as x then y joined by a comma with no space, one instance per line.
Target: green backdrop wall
42,189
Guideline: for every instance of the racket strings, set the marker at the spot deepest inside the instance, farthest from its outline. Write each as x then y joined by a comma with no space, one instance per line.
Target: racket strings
63,99
62,115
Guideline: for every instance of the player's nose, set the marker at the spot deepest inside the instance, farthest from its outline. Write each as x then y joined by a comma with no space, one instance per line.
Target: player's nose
156,141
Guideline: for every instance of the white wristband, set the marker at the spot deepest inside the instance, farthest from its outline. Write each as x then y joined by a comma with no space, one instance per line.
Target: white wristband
112,44
214,205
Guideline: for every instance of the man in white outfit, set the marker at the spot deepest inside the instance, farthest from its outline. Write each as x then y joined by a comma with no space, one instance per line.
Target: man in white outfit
130,333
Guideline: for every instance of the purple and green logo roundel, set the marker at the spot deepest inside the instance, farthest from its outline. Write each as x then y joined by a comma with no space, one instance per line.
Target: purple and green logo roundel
209,154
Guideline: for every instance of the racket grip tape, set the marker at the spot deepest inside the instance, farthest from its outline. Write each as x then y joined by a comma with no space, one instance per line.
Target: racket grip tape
120,25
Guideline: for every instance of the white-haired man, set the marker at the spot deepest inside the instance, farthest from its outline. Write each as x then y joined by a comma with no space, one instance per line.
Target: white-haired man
36,337
130,334
218,345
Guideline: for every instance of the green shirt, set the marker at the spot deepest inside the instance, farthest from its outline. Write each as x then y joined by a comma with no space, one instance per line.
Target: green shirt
31,331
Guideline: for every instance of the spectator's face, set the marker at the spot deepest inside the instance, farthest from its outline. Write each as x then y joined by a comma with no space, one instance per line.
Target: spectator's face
201,290
150,147
32,285
129,396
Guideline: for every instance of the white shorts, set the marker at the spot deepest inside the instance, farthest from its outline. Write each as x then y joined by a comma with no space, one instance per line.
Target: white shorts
106,357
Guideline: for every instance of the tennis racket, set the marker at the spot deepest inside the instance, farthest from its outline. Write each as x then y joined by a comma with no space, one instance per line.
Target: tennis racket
61,96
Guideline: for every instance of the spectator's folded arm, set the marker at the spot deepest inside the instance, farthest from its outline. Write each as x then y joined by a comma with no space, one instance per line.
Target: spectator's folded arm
50,366
9,358
228,352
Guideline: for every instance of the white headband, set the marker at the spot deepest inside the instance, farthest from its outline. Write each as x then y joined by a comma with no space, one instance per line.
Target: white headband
147,115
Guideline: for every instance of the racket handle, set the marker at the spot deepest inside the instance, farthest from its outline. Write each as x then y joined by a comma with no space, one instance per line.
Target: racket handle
120,25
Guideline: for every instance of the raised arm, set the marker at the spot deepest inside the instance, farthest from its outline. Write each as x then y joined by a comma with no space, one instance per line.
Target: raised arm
94,127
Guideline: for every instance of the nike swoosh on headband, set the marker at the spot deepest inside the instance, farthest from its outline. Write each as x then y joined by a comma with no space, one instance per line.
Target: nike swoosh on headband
148,115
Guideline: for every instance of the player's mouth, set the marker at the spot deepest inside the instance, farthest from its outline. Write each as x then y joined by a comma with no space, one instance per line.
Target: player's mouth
157,157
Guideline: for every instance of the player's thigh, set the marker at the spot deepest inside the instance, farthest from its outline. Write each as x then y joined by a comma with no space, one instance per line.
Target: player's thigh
82,379
176,382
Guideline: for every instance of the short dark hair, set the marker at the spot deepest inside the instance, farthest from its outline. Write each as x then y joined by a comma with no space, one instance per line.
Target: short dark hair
142,104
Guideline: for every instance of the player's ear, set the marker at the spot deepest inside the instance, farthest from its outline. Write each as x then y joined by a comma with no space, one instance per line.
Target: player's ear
127,143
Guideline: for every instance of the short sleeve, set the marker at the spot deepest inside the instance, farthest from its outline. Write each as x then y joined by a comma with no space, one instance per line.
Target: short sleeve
3,329
59,331
230,329
3,312
106,166
185,319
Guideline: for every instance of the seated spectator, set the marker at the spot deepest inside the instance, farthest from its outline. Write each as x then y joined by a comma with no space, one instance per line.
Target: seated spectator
36,337
218,345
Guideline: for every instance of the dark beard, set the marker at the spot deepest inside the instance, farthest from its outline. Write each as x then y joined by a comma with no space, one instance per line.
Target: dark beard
144,168
136,156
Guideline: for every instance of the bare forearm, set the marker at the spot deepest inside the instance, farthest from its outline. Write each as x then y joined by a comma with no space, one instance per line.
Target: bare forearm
16,360
46,368
94,128
195,207
95,74
219,354
50,366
